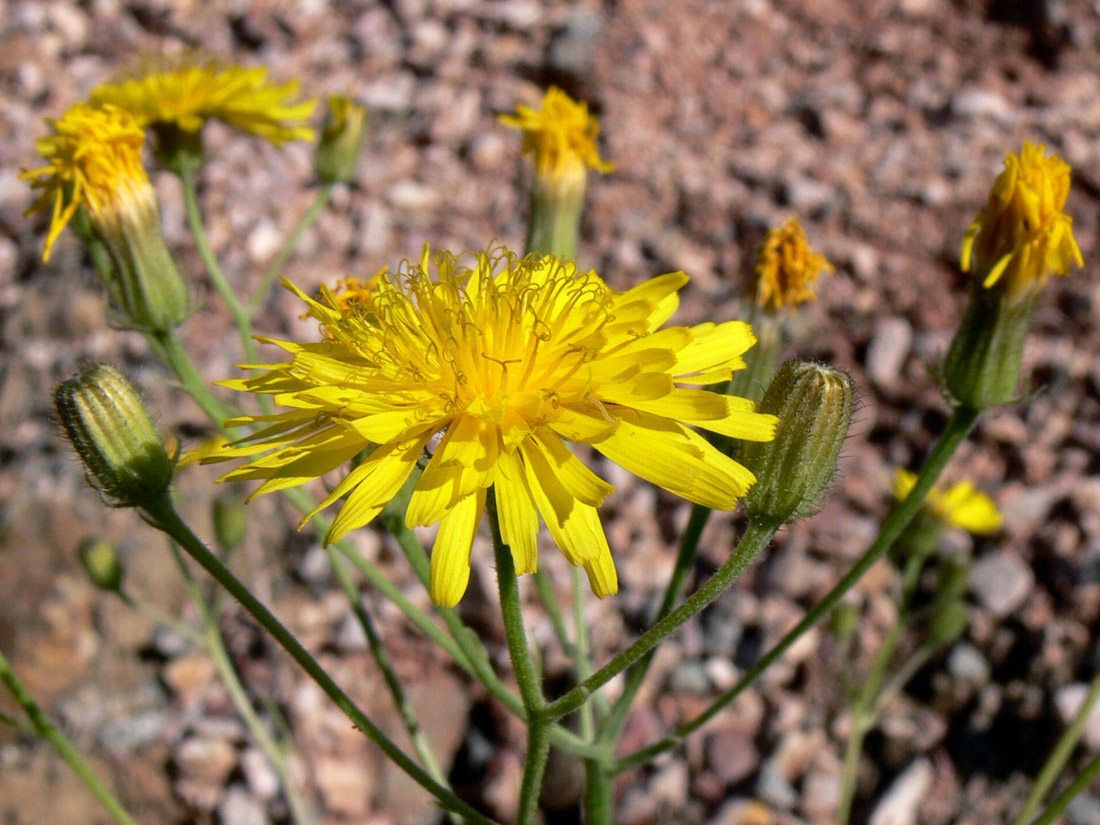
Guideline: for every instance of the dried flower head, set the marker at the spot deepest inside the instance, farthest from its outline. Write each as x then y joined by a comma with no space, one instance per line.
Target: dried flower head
185,92
787,268
494,363
1022,235
961,505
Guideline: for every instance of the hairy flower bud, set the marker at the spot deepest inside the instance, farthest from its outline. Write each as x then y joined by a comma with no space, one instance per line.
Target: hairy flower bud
342,136
230,521
814,406
107,424
100,561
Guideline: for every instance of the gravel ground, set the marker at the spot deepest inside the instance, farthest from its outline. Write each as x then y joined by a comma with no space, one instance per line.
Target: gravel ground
880,124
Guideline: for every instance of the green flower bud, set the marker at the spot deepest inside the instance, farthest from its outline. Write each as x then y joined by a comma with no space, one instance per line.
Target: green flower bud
814,406
107,424
983,365
230,521
948,624
342,136
100,562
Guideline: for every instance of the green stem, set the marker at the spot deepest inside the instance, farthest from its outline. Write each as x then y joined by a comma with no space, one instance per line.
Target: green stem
527,675
1083,780
1052,769
755,539
962,421
865,711
273,271
685,559
581,655
211,641
164,517
171,349
241,317
549,601
45,728
381,657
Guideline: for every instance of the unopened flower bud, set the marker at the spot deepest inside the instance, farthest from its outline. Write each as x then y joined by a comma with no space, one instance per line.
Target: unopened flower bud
793,472
230,521
107,423
342,136
100,562
948,623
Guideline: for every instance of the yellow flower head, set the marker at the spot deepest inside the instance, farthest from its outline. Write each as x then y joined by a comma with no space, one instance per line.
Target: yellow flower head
560,137
492,365
962,505
93,159
186,92
787,268
1022,234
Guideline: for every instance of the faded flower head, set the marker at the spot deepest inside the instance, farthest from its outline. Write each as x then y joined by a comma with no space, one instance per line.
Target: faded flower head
342,135
491,364
787,268
961,505
186,91
93,159
1022,235
560,137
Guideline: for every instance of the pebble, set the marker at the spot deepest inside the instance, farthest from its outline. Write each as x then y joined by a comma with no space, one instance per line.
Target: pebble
412,196
731,755
573,46
1068,700
1001,581
241,808
743,812
262,780
889,347
689,677
901,803
206,758
966,664
976,102
345,785
1084,810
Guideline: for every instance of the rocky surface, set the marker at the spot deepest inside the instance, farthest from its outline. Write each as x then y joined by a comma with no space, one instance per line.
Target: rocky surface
880,124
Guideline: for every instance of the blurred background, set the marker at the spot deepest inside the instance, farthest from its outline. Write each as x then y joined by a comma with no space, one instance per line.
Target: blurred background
880,124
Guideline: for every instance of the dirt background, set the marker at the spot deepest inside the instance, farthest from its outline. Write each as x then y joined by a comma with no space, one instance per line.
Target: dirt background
880,124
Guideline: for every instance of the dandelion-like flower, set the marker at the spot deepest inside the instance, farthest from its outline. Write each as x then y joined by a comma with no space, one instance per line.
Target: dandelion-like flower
787,268
1023,234
961,505
184,93
93,159
560,136
492,366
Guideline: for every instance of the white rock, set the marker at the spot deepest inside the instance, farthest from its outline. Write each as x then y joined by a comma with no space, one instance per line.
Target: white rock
889,347
902,801
1001,581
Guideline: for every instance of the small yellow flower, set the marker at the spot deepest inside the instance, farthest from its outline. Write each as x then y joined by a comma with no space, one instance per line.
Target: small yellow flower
493,365
962,505
560,137
93,159
1022,234
186,92
787,268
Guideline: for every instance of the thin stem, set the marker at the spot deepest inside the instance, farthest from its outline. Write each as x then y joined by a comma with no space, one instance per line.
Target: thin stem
582,658
1083,780
962,421
685,559
212,642
755,539
526,671
171,349
45,728
1052,769
165,518
273,271
381,657
549,601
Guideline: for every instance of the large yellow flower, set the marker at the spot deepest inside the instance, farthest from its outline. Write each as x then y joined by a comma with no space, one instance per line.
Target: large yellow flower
787,268
186,92
1023,234
961,505
492,366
